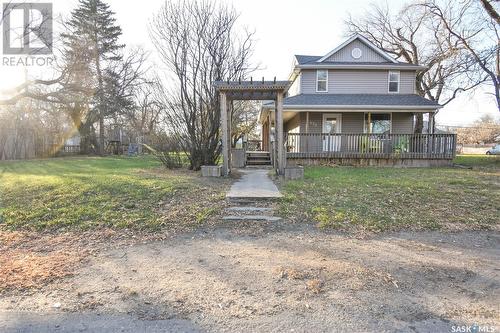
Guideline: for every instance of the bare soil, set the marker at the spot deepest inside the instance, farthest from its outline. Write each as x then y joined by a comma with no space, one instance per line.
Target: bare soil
278,277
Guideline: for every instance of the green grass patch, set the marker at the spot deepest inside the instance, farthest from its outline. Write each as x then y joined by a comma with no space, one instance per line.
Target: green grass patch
485,161
89,192
379,199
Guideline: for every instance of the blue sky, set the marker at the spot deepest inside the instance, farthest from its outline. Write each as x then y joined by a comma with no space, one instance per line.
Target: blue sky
282,29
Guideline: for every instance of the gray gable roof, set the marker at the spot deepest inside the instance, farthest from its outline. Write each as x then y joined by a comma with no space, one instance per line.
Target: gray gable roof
305,59
311,60
376,58
363,100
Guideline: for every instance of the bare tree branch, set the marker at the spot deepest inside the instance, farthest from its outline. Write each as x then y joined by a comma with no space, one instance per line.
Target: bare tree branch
198,43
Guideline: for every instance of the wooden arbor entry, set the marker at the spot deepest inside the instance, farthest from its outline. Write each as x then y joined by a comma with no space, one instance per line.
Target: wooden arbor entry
250,90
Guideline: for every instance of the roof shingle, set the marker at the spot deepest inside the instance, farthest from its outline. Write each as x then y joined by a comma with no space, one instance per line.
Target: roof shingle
359,99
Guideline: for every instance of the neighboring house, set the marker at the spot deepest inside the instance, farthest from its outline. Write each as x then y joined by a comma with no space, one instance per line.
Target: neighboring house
356,102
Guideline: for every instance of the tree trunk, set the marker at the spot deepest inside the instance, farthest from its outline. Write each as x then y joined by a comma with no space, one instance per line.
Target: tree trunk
100,106
419,123
85,138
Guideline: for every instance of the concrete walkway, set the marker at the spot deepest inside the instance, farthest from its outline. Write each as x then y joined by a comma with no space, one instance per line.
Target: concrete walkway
255,183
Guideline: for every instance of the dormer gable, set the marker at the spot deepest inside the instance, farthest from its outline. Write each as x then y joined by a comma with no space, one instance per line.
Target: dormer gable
357,49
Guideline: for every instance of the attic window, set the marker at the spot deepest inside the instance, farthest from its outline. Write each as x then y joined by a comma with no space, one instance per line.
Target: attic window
394,81
356,53
321,80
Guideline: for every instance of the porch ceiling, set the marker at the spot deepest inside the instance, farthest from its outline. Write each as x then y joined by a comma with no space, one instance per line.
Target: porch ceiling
287,115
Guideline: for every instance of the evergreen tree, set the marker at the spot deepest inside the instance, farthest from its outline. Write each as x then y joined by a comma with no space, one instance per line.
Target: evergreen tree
91,44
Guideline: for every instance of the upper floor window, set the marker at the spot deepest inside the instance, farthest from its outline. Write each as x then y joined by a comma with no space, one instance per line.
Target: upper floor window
322,80
393,81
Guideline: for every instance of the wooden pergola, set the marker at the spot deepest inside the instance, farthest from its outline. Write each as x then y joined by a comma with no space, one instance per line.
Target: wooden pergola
251,90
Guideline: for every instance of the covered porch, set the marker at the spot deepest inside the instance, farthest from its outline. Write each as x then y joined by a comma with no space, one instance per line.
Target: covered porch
364,137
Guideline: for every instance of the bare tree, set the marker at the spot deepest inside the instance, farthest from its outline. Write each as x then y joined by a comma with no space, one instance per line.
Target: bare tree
244,119
492,12
485,130
199,44
146,116
473,27
414,36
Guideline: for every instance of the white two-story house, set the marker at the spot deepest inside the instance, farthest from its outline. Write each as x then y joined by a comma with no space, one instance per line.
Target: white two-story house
355,102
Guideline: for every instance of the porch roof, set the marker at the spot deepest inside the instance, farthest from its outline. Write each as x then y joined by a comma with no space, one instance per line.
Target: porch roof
357,101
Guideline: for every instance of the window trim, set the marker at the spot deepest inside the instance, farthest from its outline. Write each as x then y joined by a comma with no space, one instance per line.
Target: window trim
317,81
389,82
365,128
336,115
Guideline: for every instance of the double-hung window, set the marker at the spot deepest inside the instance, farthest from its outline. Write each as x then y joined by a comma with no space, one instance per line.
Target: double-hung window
321,80
394,81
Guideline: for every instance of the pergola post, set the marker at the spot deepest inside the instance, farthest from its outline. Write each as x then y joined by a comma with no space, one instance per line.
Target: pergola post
224,127
229,133
279,133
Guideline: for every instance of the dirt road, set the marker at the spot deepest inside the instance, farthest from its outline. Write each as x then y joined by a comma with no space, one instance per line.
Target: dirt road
274,279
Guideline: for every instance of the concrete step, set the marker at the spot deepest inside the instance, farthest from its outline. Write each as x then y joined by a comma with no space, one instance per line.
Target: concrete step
243,209
260,167
247,202
251,218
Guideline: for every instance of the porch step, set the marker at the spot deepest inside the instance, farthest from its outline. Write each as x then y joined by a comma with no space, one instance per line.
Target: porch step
257,153
258,162
258,158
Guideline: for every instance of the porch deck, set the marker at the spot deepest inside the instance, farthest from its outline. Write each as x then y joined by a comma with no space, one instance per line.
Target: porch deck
370,146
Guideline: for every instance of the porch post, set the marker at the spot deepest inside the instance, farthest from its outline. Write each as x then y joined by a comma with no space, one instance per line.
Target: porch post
229,133
430,138
223,120
271,144
269,133
279,133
